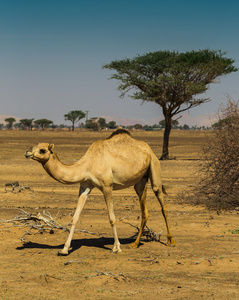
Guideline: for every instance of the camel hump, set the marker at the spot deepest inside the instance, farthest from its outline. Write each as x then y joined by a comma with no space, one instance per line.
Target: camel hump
119,131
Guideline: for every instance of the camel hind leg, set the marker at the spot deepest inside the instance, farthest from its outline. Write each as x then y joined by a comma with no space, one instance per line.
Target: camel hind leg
141,190
155,179
109,202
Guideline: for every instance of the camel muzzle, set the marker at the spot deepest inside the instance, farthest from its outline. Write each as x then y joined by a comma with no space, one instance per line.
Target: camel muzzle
28,155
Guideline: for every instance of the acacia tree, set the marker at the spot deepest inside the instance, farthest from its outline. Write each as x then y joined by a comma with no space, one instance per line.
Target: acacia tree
43,123
10,122
170,79
27,123
74,116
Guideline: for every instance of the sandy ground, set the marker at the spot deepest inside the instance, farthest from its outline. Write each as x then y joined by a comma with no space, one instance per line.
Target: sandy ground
204,264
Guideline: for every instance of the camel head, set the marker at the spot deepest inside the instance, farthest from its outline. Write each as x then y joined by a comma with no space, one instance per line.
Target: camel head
40,152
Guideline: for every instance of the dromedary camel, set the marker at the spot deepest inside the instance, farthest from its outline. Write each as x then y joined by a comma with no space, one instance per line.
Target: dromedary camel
117,162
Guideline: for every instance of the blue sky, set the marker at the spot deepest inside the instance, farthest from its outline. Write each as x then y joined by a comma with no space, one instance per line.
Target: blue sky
52,52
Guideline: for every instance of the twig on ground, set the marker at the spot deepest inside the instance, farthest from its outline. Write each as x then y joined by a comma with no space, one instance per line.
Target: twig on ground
78,261
153,259
115,276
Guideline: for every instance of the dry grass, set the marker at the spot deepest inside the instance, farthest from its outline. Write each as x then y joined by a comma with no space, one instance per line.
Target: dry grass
203,265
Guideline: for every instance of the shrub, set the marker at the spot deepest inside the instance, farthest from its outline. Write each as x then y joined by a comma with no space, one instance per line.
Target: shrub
219,186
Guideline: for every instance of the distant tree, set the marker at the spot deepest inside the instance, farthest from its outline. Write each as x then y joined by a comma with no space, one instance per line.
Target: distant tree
74,116
27,123
92,124
10,122
221,123
171,79
102,122
18,125
163,123
112,125
1,126
175,123
43,123
185,127
147,127
138,126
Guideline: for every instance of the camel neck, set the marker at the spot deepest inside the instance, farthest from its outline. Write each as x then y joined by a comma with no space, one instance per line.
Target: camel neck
67,174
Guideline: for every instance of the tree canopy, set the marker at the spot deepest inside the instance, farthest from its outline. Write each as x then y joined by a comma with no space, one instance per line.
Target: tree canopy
43,123
10,122
74,116
27,123
170,79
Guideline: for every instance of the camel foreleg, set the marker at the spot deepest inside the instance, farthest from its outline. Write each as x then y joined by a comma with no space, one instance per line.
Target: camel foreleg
84,192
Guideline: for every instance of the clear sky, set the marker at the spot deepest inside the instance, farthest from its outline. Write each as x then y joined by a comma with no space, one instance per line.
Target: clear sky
52,52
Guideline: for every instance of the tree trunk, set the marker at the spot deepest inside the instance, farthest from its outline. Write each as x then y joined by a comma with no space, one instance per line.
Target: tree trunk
168,126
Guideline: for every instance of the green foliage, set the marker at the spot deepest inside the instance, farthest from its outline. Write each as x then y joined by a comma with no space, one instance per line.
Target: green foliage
43,123
92,124
102,122
162,123
74,116
10,122
27,123
234,231
170,77
221,123
112,125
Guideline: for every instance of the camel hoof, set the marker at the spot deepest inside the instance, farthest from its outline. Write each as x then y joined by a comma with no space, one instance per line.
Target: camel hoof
132,246
61,253
116,250
171,243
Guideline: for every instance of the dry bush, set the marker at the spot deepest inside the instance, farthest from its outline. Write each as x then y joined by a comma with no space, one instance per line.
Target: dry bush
219,186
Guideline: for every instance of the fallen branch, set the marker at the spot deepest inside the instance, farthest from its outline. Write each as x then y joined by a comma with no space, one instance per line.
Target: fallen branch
149,233
15,187
41,223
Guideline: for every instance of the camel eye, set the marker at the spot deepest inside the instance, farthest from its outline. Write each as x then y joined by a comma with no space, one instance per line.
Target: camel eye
42,151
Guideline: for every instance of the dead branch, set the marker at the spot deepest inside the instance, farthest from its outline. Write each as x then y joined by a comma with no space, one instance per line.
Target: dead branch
40,223
15,187
149,233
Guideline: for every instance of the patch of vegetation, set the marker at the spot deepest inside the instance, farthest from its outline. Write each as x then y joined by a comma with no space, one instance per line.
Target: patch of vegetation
219,186
234,231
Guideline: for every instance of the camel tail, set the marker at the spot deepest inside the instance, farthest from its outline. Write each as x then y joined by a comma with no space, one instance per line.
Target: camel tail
155,176
164,190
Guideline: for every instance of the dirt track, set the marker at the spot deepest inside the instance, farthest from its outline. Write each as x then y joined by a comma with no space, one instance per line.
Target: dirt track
203,265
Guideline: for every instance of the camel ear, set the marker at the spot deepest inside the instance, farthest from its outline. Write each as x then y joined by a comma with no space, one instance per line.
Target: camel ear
51,147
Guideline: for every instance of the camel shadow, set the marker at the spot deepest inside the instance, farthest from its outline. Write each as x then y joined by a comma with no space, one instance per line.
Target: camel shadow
76,244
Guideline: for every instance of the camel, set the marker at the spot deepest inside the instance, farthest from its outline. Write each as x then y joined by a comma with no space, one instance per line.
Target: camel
118,162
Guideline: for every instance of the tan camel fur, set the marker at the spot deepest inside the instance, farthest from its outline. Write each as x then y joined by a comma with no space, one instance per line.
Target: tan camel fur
117,162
